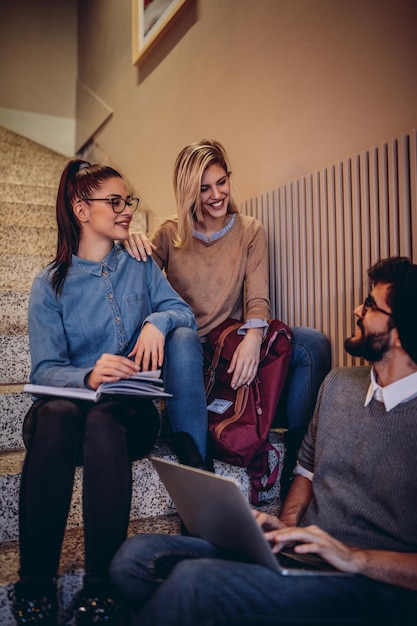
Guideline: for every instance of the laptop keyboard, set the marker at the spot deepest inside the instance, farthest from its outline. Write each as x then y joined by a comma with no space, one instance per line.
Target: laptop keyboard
306,562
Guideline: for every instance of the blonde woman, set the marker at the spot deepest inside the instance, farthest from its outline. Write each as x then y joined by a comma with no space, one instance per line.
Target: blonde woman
216,259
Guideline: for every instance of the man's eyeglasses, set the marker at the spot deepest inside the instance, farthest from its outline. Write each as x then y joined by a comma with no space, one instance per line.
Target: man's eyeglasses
370,303
117,204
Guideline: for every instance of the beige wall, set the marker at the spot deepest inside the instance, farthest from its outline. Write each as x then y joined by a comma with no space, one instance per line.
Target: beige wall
287,85
38,70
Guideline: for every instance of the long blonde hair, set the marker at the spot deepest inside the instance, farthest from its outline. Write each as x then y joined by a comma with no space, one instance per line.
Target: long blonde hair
189,168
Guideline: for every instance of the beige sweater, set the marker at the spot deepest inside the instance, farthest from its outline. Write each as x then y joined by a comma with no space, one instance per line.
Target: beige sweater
224,278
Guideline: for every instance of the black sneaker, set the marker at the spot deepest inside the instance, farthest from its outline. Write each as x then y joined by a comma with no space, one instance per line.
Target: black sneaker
99,610
34,603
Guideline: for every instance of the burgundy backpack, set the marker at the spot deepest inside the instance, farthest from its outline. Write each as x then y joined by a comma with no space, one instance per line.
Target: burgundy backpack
240,420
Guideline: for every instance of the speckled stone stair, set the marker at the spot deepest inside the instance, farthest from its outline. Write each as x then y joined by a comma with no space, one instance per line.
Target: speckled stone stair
13,407
148,499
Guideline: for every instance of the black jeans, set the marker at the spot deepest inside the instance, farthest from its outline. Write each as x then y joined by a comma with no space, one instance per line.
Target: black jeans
107,436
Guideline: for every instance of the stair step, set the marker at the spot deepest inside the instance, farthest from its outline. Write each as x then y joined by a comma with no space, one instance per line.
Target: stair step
13,144
71,568
13,312
18,271
22,167
72,556
27,170
149,497
28,193
15,359
13,407
24,215
32,240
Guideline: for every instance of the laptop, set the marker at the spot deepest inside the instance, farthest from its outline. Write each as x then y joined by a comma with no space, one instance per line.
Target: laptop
214,508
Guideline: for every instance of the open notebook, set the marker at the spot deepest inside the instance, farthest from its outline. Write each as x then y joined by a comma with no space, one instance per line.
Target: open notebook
143,385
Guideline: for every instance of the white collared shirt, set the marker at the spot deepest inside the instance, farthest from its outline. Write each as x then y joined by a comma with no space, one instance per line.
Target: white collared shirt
391,395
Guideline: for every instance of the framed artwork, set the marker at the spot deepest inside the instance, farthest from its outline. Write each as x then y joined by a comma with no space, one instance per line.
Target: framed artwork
151,19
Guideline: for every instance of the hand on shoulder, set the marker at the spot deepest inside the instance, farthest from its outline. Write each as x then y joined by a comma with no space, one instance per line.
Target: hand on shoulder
139,246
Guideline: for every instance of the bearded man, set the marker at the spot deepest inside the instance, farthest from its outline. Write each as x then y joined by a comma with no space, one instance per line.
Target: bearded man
352,501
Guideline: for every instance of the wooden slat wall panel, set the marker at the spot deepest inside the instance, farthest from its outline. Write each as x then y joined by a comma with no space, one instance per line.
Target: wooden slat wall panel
325,229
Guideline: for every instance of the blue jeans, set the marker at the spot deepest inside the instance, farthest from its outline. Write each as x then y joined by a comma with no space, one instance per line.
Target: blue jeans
310,362
183,377
185,581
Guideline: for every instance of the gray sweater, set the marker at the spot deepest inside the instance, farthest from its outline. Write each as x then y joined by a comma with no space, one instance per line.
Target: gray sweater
364,461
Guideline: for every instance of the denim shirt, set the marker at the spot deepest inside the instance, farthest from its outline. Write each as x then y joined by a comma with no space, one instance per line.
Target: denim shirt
101,309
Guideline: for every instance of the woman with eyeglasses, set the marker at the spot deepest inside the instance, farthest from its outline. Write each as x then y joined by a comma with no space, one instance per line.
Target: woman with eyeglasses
95,315
216,259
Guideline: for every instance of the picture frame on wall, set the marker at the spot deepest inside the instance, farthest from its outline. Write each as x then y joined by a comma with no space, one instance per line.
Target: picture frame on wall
151,19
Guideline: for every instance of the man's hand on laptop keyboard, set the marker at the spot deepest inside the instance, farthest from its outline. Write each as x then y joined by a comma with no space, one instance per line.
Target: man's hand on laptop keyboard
313,540
270,524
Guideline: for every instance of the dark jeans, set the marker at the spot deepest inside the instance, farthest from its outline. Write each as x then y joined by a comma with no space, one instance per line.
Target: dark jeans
310,363
184,581
107,435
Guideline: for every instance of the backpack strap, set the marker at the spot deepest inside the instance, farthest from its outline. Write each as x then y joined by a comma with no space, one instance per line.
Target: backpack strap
261,477
211,370
240,405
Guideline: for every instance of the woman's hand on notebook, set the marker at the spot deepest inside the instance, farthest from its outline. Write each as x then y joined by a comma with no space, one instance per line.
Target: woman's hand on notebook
110,367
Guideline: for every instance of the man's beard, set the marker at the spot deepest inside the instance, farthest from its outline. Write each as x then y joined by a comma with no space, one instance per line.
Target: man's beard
371,347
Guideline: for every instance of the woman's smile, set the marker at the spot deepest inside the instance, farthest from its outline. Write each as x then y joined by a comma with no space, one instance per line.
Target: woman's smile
215,191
